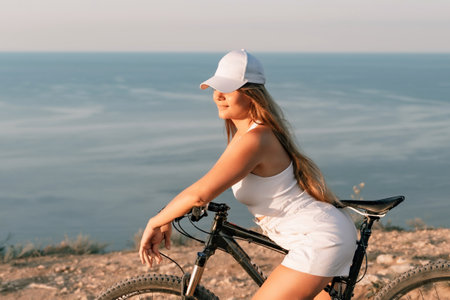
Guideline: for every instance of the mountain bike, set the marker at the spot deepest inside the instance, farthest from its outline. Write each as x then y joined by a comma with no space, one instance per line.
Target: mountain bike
431,281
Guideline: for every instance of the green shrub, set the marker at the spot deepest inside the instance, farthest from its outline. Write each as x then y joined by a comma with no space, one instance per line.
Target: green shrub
417,224
82,244
388,226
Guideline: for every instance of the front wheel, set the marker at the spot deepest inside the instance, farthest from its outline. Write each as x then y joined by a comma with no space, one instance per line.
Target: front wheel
431,281
152,286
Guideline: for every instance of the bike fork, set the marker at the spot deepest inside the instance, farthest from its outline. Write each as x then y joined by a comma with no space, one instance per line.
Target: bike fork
196,275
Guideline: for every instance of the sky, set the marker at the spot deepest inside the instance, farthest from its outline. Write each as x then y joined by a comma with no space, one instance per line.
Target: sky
217,26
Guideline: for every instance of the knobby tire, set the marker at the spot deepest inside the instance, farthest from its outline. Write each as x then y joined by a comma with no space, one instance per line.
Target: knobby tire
146,286
431,281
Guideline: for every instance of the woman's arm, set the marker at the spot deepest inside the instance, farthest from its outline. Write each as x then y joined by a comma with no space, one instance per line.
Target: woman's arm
239,159
235,163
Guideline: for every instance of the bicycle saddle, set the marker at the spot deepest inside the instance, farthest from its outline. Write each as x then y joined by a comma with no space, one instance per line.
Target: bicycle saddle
375,207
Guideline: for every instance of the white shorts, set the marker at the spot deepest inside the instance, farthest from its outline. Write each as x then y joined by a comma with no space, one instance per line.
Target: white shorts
321,238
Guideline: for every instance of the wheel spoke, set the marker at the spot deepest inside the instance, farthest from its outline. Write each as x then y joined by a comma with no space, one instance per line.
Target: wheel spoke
435,290
421,294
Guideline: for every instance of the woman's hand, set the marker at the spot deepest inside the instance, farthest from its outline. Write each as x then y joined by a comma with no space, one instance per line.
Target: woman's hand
150,241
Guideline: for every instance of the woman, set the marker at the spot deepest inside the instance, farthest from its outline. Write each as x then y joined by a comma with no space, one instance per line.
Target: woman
282,188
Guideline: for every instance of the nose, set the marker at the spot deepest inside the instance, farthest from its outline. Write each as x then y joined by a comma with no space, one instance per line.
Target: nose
218,96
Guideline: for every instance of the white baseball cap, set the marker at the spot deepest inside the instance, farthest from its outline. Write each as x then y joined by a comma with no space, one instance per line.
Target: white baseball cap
235,69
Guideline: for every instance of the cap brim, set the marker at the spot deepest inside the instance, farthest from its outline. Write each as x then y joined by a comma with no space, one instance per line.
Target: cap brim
222,84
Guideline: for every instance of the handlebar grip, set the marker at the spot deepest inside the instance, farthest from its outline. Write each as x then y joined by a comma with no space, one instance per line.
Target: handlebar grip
217,207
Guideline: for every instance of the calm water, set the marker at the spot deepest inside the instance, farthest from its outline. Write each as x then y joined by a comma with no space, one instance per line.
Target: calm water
96,143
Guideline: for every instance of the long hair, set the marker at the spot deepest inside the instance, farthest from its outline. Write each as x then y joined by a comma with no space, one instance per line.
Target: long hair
265,111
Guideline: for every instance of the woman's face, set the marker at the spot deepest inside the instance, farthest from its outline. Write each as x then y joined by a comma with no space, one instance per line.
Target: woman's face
234,105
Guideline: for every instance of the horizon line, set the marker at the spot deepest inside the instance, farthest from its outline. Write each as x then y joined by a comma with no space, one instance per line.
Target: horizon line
211,52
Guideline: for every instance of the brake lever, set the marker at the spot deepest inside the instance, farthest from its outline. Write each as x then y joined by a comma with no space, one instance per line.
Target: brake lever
197,213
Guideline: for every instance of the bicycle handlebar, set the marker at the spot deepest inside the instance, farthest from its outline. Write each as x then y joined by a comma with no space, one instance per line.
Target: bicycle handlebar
198,212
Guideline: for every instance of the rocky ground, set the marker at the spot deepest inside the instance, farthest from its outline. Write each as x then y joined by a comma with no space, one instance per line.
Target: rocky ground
82,277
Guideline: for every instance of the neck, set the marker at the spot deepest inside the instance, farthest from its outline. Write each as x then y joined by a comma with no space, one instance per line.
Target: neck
242,125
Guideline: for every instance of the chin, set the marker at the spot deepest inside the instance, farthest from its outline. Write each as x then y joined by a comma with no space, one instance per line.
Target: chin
223,116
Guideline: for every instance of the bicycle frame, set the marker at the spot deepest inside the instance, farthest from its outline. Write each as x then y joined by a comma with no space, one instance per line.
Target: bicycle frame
222,236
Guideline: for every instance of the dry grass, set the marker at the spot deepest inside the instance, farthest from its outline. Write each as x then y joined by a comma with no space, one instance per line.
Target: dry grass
82,244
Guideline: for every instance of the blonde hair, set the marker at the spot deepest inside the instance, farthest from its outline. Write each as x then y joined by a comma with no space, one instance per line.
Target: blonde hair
265,111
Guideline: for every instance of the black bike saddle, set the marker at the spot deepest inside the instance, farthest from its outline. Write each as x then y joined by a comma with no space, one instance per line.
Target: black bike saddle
375,207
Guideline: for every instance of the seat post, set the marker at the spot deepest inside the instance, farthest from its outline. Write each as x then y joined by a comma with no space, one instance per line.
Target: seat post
366,228
365,233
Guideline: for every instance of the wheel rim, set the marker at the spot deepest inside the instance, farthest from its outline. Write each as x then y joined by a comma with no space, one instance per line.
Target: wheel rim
152,295
435,289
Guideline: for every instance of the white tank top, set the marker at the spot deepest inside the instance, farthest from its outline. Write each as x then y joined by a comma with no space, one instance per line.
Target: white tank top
269,196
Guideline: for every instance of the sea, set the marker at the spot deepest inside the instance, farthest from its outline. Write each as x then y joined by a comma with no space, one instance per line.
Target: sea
97,143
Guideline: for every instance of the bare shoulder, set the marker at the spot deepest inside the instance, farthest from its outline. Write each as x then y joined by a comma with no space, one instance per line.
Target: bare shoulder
258,141
263,134
273,156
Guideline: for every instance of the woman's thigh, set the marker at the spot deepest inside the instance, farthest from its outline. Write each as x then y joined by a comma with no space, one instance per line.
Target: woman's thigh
287,284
